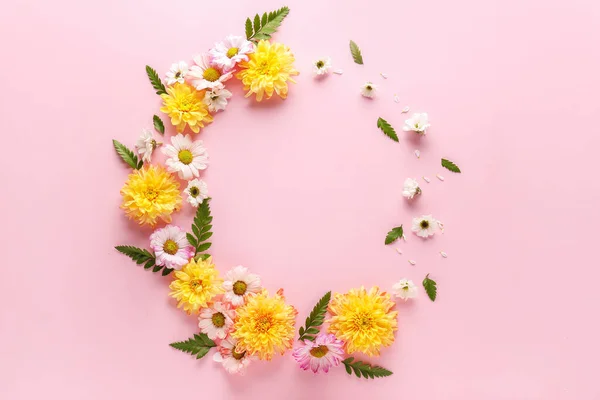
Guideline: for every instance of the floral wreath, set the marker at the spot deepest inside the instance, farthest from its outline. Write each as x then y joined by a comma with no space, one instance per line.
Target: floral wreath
236,315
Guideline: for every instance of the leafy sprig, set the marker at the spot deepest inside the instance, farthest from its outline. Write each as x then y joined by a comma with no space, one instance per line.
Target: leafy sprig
449,165
197,346
366,370
264,27
387,129
155,80
158,124
430,287
356,54
143,256
201,228
394,234
315,319
127,155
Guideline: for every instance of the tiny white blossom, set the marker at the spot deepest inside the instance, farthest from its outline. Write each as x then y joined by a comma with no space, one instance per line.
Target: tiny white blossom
177,73
419,122
145,145
197,191
322,66
216,99
368,90
405,289
424,226
411,188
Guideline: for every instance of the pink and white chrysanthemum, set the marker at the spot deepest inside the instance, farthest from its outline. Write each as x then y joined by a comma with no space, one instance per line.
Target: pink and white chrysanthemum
325,352
232,50
171,247
239,283
216,320
232,361
207,74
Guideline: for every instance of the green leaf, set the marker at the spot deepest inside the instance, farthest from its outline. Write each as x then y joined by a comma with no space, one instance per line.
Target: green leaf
158,124
143,256
387,129
201,228
430,287
199,345
155,81
356,54
366,370
263,29
127,155
449,165
315,319
394,234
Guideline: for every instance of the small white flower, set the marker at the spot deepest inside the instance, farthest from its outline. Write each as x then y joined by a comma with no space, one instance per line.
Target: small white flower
405,289
424,226
186,158
216,320
238,284
177,73
322,66
216,99
145,145
411,188
232,361
419,122
232,50
207,74
197,190
368,90
171,247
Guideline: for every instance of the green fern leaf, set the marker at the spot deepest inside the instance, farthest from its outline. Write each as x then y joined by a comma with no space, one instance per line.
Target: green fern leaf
315,319
449,165
394,235
201,228
356,54
143,256
387,129
430,287
265,27
197,346
127,155
365,370
158,124
155,81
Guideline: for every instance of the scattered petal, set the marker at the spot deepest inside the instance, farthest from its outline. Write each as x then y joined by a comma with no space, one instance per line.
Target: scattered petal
405,109
384,76
441,178
426,179
418,153
412,262
396,98
399,251
338,71
443,253
404,237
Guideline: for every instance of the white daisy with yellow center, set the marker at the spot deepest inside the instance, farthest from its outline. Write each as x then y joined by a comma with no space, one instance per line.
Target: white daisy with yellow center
232,50
206,74
197,191
171,247
186,157
239,283
216,320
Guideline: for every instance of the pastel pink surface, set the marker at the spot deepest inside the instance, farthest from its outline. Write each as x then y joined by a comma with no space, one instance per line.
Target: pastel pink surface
304,191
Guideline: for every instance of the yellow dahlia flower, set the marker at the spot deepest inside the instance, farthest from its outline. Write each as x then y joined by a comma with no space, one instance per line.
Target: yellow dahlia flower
185,105
264,325
196,284
363,320
150,193
268,70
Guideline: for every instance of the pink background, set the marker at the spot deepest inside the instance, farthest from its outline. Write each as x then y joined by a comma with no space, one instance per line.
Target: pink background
304,192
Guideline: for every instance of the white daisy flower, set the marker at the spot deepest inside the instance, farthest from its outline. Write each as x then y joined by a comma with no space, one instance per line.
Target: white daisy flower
368,90
232,50
145,145
404,289
197,190
186,158
239,283
424,226
411,188
216,99
419,122
207,75
216,320
322,66
232,361
171,247
177,73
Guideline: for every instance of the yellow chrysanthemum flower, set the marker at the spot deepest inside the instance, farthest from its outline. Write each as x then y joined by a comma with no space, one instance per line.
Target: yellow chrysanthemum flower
196,284
185,105
264,325
150,193
268,70
363,320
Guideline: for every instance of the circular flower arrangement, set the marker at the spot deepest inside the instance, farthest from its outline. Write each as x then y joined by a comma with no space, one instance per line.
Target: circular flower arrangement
236,316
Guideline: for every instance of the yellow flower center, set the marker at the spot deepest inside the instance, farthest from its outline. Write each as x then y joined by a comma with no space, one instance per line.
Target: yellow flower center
151,194
211,74
236,355
320,64
232,52
194,191
177,74
363,321
265,69
239,288
263,323
319,351
185,156
218,320
424,224
196,284
170,247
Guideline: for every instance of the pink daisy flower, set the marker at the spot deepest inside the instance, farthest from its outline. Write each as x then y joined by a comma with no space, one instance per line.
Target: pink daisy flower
325,352
206,74
239,283
232,50
171,247
232,361
216,320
